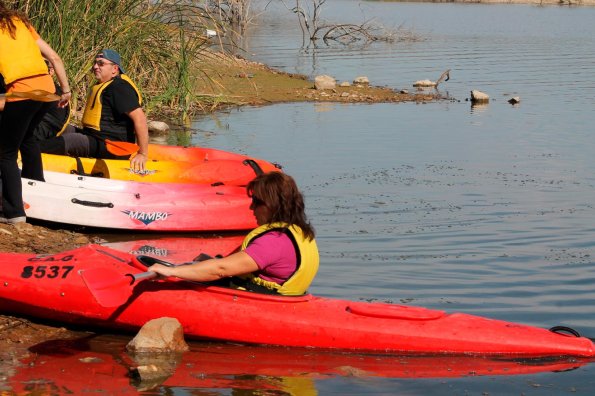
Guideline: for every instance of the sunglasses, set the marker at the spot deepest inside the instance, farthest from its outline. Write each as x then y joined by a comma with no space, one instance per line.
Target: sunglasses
102,63
257,202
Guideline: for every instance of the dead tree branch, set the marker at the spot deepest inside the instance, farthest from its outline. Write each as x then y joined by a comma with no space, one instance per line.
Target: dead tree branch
309,13
444,75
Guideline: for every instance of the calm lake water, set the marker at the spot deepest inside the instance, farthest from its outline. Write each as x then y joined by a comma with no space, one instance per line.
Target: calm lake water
487,210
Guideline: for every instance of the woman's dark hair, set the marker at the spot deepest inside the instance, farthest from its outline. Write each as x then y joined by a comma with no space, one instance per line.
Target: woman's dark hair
279,192
6,23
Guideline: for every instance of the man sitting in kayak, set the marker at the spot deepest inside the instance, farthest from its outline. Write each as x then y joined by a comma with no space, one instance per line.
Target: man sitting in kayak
280,256
113,111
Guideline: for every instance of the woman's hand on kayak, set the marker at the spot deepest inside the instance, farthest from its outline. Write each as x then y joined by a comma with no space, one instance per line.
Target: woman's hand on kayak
209,270
64,99
162,270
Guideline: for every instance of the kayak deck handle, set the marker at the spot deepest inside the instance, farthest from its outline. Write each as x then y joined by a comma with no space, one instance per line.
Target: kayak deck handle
92,204
97,174
564,331
148,261
255,167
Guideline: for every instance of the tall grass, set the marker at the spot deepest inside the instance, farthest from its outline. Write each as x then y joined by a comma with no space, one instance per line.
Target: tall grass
159,41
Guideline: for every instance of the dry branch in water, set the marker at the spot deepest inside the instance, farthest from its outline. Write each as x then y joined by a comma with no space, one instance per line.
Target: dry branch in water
427,83
344,33
444,75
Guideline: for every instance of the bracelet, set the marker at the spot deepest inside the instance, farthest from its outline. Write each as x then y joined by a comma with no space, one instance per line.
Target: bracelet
65,92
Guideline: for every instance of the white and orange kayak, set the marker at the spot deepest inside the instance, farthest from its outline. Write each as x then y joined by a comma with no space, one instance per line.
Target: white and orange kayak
117,204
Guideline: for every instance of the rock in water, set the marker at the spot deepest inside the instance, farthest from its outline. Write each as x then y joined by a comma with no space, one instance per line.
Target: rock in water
159,335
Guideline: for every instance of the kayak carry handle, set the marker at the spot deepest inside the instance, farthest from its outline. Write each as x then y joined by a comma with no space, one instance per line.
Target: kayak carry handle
92,204
255,167
148,261
563,329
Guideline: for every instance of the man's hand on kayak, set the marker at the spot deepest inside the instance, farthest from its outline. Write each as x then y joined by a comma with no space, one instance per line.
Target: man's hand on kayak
137,163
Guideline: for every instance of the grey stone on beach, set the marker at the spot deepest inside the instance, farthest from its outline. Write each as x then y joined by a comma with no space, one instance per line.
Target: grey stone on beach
424,83
362,80
157,126
324,82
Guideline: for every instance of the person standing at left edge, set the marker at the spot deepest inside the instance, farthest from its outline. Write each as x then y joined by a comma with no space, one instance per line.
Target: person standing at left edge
23,69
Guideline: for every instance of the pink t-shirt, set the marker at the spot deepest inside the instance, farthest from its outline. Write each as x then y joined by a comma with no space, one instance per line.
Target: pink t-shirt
275,256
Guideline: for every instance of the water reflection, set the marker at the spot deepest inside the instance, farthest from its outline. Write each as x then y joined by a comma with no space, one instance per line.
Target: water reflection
101,364
478,108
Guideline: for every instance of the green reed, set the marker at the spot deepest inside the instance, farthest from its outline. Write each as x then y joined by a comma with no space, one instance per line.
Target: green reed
160,42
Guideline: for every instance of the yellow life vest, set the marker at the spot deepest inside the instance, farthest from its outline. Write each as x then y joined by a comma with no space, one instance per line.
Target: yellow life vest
21,56
306,255
93,107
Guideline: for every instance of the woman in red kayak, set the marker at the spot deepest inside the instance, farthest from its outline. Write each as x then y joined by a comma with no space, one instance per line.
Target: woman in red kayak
280,256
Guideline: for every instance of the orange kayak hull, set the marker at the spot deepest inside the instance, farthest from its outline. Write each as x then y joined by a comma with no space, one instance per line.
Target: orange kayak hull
169,164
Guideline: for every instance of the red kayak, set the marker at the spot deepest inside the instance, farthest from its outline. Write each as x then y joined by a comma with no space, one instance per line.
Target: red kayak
180,249
94,285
